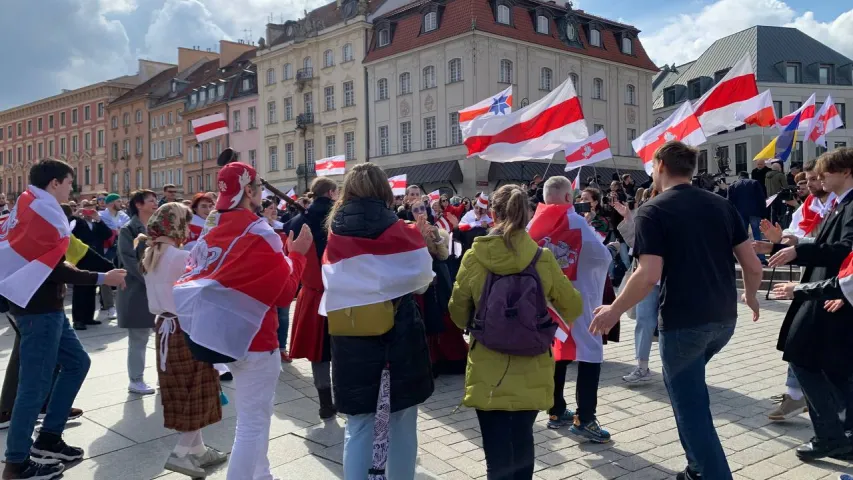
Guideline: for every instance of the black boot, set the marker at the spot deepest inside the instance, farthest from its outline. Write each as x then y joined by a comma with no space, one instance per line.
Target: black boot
327,407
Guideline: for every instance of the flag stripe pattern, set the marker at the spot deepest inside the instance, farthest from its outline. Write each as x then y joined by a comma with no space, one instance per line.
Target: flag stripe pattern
845,278
363,271
805,113
33,239
682,125
717,109
593,149
758,111
827,120
331,166
398,184
209,127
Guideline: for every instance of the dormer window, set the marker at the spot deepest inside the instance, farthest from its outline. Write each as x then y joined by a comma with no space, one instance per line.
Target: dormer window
174,86
384,37
503,14
571,32
542,24
202,96
430,21
594,36
627,45
193,99
220,90
247,84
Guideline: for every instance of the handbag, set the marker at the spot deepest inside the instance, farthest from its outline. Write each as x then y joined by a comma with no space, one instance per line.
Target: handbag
204,354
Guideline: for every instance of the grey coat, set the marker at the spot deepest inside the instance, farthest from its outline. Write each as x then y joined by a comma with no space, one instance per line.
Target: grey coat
132,302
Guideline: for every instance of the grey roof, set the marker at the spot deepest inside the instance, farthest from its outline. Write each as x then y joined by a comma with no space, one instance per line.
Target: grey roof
525,171
438,172
770,48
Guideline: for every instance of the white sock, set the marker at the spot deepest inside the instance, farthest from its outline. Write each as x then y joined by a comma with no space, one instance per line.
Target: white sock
190,443
795,393
643,364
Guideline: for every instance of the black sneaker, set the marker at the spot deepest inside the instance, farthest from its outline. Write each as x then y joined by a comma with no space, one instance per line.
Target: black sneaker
5,420
79,326
688,474
92,322
31,470
52,446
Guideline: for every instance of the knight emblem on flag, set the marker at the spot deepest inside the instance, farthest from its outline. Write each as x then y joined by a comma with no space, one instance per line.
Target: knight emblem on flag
587,151
565,253
10,222
200,258
669,136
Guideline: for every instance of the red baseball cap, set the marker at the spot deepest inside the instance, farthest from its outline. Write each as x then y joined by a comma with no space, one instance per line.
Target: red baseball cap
231,179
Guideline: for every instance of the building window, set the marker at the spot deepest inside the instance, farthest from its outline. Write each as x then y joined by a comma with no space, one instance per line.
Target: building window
288,108
40,123
220,91
777,106
702,161
331,146
253,122
163,118
100,173
309,152
74,116
430,21
61,119
455,130
207,182
29,127
632,134
235,123
87,141
794,106
306,62
383,141
545,76
29,152
384,37
797,154
382,89
792,73
101,140
245,85
329,93
139,116
349,145
455,68
328,58
503,14
429,133
287,72
630,95
740,157
346,52
824,75
126,147
308,102
571,32
598,89
627,45
506,71
840,144
597,127
842,112
75,145
405,83
40,151
61,146
429,77
101,110
189,182
50,125
87,113
272,117
139,145
349,94
273,150
270,77
288,156
253,156
542,24
575,83
694,89
595,37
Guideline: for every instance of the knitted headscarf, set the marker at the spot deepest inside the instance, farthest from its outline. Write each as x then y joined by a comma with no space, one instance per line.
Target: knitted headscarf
170,221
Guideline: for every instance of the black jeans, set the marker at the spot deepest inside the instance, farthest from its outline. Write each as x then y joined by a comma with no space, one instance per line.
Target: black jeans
586,389
827,394
508,443
83,304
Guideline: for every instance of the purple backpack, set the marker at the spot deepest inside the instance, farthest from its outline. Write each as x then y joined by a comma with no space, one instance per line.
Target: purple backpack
513,315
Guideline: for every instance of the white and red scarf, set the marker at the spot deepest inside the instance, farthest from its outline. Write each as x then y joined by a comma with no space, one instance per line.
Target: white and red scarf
33,239
469,221
807,218
234,275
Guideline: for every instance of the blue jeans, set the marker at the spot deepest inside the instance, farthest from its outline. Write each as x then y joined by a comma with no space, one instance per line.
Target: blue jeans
791,381
402,448
753,223
283,325
46,340
647,320
684,353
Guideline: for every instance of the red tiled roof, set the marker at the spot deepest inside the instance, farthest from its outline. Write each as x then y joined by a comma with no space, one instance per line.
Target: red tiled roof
461,16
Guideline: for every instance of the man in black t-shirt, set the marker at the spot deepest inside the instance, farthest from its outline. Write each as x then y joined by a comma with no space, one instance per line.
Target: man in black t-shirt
685,238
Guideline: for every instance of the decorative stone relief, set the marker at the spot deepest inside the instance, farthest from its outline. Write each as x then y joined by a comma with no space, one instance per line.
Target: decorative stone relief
429,103
631,115
405,108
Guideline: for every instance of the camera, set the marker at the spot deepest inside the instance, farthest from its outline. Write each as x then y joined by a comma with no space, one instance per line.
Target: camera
787,193
582,207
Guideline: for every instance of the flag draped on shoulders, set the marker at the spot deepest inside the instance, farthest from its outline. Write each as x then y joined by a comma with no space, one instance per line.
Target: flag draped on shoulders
584,259
196,227
362,271
234,275
845,278
470,220
33,239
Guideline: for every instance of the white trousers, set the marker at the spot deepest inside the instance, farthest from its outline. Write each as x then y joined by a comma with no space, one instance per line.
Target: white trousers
255,378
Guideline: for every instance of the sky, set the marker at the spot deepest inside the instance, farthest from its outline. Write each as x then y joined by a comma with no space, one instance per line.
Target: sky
67,44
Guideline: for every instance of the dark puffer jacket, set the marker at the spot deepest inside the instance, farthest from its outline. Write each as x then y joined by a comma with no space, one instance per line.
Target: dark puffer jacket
357,362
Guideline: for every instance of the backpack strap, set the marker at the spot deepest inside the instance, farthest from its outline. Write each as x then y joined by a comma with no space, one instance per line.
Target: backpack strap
535,258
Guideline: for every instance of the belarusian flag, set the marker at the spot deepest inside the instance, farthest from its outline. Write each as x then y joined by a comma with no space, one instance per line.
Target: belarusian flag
845,278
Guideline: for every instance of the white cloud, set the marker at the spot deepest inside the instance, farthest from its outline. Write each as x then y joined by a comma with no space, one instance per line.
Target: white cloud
684,37
181,23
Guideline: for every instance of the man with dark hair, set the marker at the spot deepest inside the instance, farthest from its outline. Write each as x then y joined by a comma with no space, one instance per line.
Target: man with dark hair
628,185
748,198
170,194
759,174
698,294
33,280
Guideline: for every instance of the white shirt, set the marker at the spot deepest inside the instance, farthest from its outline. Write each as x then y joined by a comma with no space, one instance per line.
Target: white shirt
159,283
844,195
114,222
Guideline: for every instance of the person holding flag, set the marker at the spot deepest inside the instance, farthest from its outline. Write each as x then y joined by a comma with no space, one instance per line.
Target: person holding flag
33,273
584,259
201,206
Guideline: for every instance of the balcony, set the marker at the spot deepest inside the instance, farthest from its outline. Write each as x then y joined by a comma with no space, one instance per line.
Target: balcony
303,120
300,171
304,76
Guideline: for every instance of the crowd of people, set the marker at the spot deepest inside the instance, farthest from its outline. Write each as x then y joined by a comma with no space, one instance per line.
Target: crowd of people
506,288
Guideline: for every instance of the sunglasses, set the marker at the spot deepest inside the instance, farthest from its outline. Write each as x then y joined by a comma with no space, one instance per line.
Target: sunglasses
419,209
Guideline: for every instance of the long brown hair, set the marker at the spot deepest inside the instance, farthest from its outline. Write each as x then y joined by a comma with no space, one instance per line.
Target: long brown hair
321,186
365,180
512,212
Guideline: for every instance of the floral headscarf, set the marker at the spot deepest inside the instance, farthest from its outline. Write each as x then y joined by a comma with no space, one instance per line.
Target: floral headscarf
171,220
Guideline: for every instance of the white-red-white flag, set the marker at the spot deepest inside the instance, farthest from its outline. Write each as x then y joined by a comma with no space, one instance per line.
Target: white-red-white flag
433,196
682,125
196,227
291,194
282,204
845,278
576,183
827,120
806,112
592,149
537,131
33,239
717,109
398,184
360,271
266,193
498,104
209,127
331,166
757,111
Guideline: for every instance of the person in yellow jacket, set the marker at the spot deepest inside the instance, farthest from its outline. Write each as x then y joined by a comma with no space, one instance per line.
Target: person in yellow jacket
508,391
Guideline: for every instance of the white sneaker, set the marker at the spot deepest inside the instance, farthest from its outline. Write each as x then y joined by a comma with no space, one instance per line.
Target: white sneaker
184,465
638,375
141,388
210,458
111,314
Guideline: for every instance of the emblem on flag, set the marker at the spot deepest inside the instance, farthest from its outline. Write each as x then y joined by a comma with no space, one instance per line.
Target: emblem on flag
592,149
331,166
398,184
500,105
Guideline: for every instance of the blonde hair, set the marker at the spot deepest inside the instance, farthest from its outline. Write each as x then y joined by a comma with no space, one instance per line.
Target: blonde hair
365,180
512,212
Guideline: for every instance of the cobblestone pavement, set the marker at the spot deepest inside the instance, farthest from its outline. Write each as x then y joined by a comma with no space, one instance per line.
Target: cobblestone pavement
124,437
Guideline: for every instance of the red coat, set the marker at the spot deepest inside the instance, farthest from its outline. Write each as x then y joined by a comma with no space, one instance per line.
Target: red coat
309,327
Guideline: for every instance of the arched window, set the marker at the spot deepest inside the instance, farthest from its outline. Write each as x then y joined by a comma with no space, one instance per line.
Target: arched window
328,58
126,119
575,83
454,67
542,24
595,36
306,62
139,116
545,77
429,77
571,32
503,14
630,95
382,89
506,71
430,21
598,89
405,83
270,76
287,71
627,45
346,52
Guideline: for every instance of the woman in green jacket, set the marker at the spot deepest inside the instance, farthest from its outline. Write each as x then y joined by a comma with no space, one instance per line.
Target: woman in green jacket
508,391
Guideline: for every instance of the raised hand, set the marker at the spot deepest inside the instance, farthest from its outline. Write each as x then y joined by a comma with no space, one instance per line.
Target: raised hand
303,241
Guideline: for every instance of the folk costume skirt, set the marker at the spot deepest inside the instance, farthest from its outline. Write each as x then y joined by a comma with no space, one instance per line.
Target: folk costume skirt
189,389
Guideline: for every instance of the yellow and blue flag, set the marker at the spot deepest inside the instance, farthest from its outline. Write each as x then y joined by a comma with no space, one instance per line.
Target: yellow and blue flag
780,147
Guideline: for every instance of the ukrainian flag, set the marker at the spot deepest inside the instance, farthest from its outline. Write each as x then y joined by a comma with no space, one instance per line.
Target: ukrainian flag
780,147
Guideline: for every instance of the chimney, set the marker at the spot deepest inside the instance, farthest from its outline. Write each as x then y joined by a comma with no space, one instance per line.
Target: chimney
187,57
229,51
